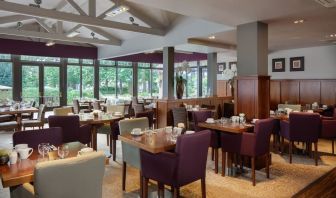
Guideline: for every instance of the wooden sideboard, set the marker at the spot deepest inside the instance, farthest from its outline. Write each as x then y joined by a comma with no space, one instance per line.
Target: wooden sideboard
305,91
164,107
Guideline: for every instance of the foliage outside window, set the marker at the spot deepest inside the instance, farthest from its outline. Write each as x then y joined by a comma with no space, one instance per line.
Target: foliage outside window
125,83
73,83
107,82
87,82
144,79
205,91
52,86
73,60
157,80
106,62
5,56
6,81
40,58
192,83
30,83
87,61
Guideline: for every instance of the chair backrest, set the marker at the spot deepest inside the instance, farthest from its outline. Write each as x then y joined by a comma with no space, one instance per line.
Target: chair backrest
294,107
62,111
138,108
328,129
228,110
76,177
33,138
147,114
134,101
263,130
76,106
69,125
96,105
200,116
131,154
304,126
192,150
40,114
115,108
180,115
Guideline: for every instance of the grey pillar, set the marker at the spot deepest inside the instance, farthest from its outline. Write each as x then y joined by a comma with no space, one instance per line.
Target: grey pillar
212,74
168,73
252,49
135,79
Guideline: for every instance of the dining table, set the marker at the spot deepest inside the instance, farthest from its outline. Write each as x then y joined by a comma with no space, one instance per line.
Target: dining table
13,175
96,122
158,142
18,113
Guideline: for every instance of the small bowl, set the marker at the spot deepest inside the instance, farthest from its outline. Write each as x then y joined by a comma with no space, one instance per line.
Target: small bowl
4,159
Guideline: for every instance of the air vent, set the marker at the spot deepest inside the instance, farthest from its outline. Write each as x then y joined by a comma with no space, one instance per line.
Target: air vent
327,3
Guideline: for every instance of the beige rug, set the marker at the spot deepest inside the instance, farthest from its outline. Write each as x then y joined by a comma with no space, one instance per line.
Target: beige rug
285,179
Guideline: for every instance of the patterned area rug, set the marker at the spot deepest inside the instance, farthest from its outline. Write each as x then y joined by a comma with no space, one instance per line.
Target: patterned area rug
285,179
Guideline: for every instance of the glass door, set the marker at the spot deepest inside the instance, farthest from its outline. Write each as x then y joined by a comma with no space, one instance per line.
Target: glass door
51,86
31,84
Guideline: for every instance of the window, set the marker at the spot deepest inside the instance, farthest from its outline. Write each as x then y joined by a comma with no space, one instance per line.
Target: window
73,83
125,83
73,60
106,63
40,59
5,56
157,79
51,86
144,82
30,83
192,83
87,61
88,82
6,81
107,82
204,82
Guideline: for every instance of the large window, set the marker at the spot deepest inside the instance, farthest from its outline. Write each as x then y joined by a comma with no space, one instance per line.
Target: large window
204,78
73,82
88,82
51,86
107,79
125,83
144,80
30,83
6,78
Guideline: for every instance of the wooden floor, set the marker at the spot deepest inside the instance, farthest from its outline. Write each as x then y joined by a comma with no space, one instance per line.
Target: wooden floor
325,187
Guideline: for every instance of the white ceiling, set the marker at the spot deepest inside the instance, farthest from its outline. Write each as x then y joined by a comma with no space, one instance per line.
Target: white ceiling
215,17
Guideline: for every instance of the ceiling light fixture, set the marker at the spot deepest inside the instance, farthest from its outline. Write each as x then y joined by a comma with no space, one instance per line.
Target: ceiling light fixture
212,37
50,43
73,34
299,21
117,10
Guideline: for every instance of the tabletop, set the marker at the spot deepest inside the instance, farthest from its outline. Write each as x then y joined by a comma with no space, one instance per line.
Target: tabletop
230,127
156,143
23,171
99,119
18,111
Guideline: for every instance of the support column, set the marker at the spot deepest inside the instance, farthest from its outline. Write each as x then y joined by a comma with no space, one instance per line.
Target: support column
212,74
168,73
252,87
135,79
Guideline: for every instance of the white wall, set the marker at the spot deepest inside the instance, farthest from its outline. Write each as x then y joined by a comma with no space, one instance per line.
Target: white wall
320,63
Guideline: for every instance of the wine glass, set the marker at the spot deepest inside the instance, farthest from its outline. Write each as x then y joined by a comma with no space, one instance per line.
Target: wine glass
63,151
43,148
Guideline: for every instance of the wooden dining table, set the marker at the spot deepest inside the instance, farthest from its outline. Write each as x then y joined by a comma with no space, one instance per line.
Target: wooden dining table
158,142
18,113
13,175
227,127
97,122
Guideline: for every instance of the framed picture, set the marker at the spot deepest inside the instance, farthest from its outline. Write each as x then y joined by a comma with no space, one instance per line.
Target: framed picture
297,63
278,65
221,67
232,63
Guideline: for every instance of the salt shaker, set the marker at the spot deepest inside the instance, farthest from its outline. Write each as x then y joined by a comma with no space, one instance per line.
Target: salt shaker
13,157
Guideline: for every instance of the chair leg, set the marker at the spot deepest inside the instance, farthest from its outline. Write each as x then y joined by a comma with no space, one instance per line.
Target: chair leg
203,188
145,187
141,185
267,164
290,151
212,154
216,160
160,190
114,149
282,144
107,139
223,163
332,146
124,176
253,170
315,153
176,192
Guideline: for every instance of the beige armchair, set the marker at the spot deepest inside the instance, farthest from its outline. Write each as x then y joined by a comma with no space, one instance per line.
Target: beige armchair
77,177
62,111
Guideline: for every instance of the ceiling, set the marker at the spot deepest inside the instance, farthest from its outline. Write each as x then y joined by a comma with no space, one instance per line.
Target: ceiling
214,17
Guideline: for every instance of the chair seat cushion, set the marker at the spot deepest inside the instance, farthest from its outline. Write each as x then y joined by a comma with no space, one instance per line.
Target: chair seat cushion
32,123
11,124
4,118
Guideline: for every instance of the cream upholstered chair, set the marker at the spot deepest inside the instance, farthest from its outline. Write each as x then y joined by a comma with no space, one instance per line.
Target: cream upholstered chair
77,177
131,154
116,108
39,122
294,107
62,111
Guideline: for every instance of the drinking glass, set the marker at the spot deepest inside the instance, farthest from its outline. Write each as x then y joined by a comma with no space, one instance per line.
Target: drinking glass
174,134
43,148
63,151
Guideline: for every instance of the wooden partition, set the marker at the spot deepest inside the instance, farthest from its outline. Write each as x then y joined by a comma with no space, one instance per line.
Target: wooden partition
164,107
302,92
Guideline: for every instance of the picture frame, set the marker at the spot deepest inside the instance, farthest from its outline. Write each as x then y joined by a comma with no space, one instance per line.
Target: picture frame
232,63
221,67
278,65
297,63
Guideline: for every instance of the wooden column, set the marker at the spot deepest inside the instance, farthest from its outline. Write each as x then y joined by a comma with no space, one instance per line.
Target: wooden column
168,73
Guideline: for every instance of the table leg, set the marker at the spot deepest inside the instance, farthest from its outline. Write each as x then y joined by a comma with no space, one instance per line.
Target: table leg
94,137
19,120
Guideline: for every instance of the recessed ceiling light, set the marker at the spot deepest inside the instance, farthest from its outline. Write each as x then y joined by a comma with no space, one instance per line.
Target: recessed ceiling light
299,21
50,43
118,10
211,37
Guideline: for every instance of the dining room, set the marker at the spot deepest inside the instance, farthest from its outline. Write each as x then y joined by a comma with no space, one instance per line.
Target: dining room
146,98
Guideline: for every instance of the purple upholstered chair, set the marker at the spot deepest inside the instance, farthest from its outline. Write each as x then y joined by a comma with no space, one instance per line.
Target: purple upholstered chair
301,127
249,144
328,131
186,165
332,117
147,114
72,131
34,137
202,116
